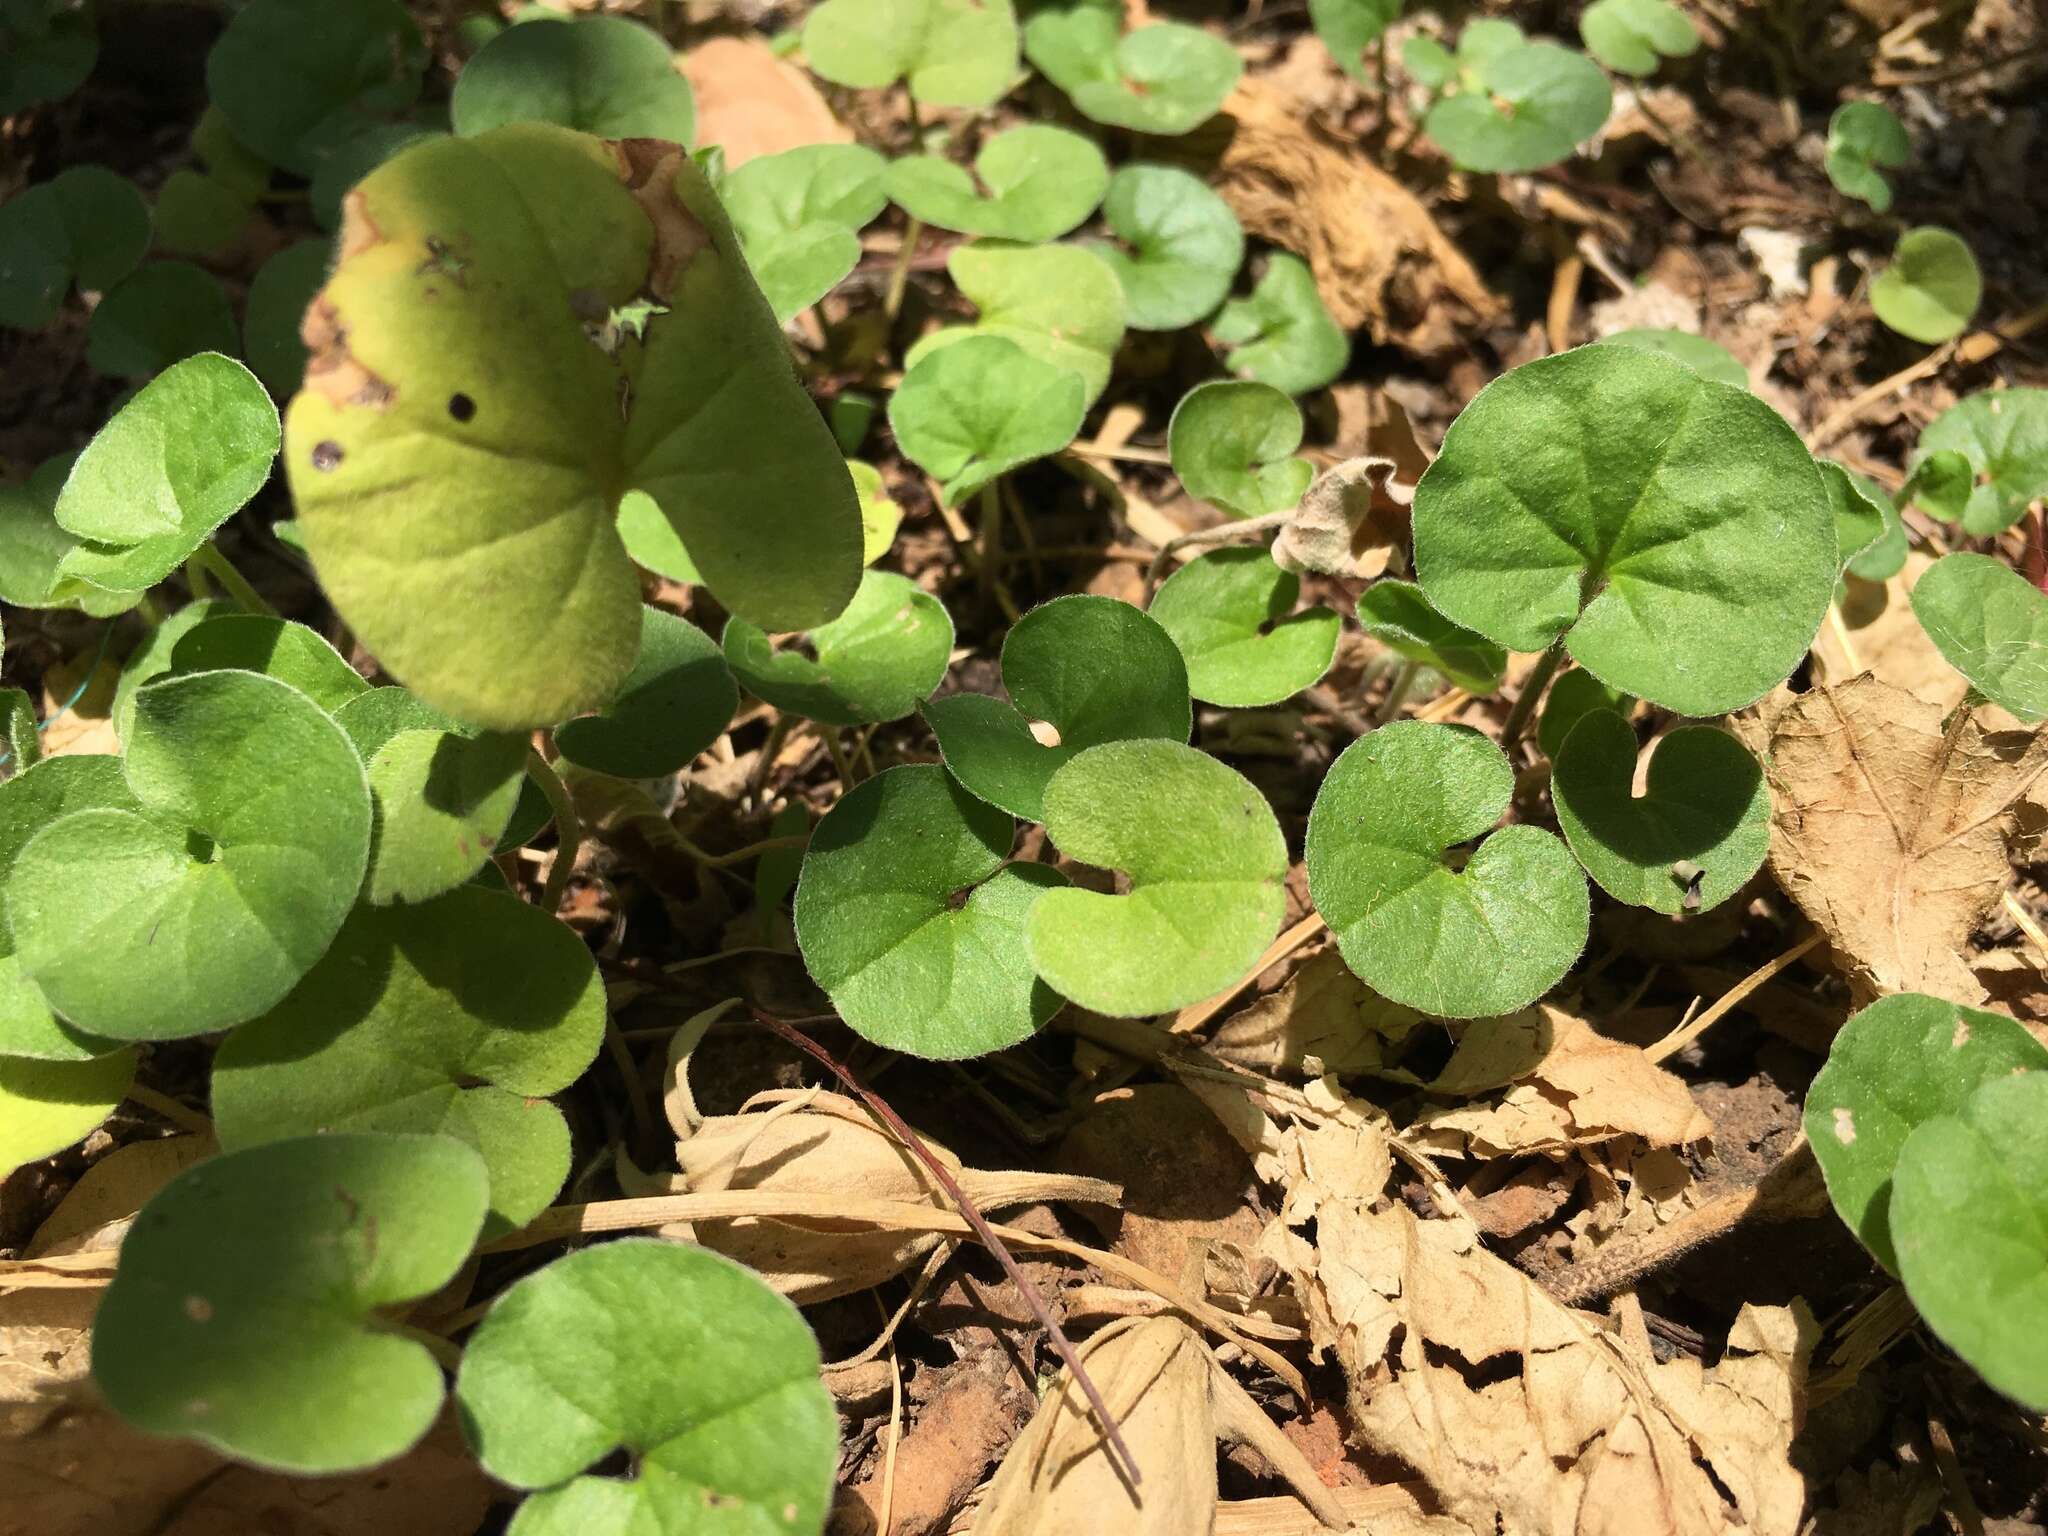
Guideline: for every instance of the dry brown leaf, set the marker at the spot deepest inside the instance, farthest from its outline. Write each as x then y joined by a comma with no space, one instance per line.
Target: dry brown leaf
88,1474
96,1211
1379,259
750,103
1577,1087
1890,833
1532,1420
819,1143
1352,523
1322,1019
88,724
1171,1402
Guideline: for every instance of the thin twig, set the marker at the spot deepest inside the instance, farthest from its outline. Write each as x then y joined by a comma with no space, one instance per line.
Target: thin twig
1685,1034
163,1104
1245,529
944,1177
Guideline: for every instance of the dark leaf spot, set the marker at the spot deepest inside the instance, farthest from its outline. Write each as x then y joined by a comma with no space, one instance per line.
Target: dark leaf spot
326,455
461,407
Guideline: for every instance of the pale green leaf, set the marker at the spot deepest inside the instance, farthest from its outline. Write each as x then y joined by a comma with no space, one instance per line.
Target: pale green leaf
1282,335
46,1106
1526,106
605,75
1041,181
1709,359
974,411
1184,245
1164,78
1060,303
954,53
1632,37
1931,288
877,661
1991,624
1232,443
1231,612
1865,139
1995,448
799,215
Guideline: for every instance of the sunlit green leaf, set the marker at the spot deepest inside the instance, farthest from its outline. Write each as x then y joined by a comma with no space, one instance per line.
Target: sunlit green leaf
1041,181
1709,359
46,1106
1163,78
878,660
1232,443
1931,288
976,410
1399,616
1060,303
1991,624
1184,245
799,215
1282,335
954,53
1231,612
1988,458
676,701
1865,139
1633,37
1528,105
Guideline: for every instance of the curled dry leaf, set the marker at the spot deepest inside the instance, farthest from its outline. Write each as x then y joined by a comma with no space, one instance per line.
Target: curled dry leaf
1379,259
1527,1418
1572,1087
1889,830
801,1142
1323,1019
1172,1402
1352,522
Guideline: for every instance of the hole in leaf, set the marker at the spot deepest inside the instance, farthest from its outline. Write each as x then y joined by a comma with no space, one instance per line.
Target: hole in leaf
461,407
326,455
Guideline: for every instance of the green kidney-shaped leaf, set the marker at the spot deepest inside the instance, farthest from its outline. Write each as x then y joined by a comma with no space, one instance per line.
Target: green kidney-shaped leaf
1282,335
1093,668
674,1354
207,906
46,1106
1900,1063
1460,944
1206,863
1931,288
277,648
1399,616
46,52
1575,694
954,53
443,801
297,81
1863,513
1041,181
1709,359
1674,531
197,215
279,296
799,215
1865,139
1164,78
458,453
1997,445
33,549
1232,443
1231,612
1693,839
677,700
912,920
157,315
245,1313
179,459
1060,303
974,411
1348,27
85,226
1991,623
1970,1217
455,1017
599,74
878,660
1184,245
1529,105
1632,37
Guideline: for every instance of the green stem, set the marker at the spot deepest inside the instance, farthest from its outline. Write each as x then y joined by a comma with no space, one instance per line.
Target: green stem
839,762
741,855
988,541
568,829
899,278
151,611
1532,690
444,1350
1397,692
209,559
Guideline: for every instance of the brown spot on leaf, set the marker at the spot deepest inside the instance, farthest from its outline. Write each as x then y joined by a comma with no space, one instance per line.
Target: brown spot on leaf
331,369
648,168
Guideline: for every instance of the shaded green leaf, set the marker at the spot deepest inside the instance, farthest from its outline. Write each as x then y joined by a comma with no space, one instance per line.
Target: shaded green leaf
673,1354
442,802
1060,303
33,548
599,74
1232,443
1231,612
1349,27
1399,616
1675,531
1900,1063
1970,1214
1690,841
1041,181
974,411
1185,245
877,661
912,919
207,906
1863,513
279,296
278,648
1574,695
1282,335
85,226
799,215
46,51
1865,139
1708,359
677,700
456,1017
1459,943
1931,288
1163,78
197,215
1984,459
246,1311
1095,669
1991,624
1206,863
1632,37
296,81
1527,105
46,1106
953,53
156,316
